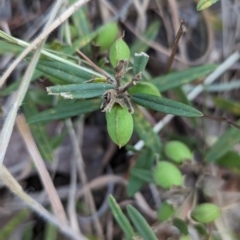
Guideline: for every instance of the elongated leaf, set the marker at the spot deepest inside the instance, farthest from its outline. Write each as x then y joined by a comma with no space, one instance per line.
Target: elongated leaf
65,72
150,35
224,143
144,161
120,217
81,21
143,174
203,4
228,105
178,79
38,130
145,131
181,225
230,160
141,224
84,90
69,109
140,62
165,105
12,224
14,86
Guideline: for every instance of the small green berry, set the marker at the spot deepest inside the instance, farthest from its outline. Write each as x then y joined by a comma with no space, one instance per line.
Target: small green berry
206,213
118,51
177,151
144,87
107,34
167,175
119,125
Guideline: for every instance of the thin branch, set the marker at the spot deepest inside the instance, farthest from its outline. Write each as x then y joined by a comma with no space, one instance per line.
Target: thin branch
222,119
175,45
92,64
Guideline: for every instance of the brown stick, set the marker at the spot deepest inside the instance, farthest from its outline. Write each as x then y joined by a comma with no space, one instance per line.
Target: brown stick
181,30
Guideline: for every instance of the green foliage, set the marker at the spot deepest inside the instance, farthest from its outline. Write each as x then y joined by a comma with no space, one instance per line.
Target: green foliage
165,211
203,4
145,131
181,225
143,162
165,105
177,79
141,224
140,62
80,91
65,110
224,143
120,217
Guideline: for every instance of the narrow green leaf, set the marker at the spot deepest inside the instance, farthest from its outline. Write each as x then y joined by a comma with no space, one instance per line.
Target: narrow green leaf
84,90
65,72
165,105
141,224
150,35
181,225
203,4
224,143
145,131
81,22
142,174
177,79
38,130
230,160
144,161
66,110
14,86
140,62
12,224
228,105
120,217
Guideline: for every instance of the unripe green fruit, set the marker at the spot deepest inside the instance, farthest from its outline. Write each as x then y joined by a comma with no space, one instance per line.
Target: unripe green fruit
206,213
145,87
118,51
107,34
165,211
177,151
119,125
167,175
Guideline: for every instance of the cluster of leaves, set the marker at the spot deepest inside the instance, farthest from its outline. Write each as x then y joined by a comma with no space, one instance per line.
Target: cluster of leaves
84,90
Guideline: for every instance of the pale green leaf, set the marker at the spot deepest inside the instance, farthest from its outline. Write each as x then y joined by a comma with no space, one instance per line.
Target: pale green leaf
203,4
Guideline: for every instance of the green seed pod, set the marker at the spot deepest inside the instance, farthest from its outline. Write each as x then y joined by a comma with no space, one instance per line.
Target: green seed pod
119,125
118,51
144,87
206,213
167,175
107,34
165,211
177,151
